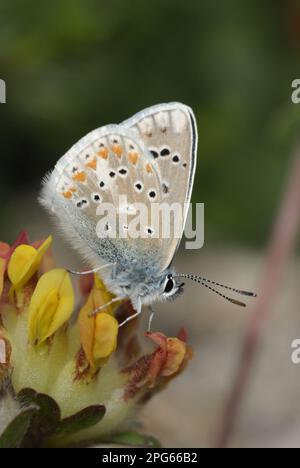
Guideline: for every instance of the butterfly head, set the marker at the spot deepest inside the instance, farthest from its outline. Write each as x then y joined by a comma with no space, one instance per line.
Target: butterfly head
164,288
168,286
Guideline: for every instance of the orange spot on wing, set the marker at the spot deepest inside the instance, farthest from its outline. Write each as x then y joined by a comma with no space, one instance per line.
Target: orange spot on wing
149,168
103,153
133,156
92,164
117,149
80,177
68,194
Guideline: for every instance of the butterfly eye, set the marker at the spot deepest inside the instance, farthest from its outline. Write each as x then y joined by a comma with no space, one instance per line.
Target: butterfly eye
169,286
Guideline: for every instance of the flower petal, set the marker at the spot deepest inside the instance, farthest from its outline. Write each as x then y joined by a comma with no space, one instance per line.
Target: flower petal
21,263
176,350
89,326
156,369
45,315
25,262
51,305
2,273
43,248
106,334
159,357
21,239
4,250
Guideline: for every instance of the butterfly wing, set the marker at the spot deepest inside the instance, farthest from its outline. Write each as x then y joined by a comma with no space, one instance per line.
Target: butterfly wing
108,162
151,153
169,133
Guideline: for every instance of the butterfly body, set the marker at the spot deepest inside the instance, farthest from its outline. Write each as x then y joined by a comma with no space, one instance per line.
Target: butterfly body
139,286
147,160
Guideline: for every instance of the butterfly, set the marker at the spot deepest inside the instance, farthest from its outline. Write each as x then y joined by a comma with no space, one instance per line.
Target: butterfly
150,158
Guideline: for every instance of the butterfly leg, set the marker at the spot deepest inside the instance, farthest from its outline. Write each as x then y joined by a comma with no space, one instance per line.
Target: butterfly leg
130,318
139,310
114,270
95,270
115,299
150,320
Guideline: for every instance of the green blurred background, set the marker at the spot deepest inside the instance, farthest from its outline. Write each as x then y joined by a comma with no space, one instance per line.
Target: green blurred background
71,66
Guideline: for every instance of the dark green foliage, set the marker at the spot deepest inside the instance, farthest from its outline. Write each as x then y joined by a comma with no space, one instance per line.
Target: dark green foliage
40,419
73,66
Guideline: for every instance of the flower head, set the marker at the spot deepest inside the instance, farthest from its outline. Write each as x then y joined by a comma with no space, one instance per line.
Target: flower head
156,369
74,376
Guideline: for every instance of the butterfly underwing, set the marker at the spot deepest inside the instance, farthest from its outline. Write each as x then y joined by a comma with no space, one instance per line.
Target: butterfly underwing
148,159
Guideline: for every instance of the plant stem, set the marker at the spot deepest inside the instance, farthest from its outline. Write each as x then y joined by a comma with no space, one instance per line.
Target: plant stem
282,243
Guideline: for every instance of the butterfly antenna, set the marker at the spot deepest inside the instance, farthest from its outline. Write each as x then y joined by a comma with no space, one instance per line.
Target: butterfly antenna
206,283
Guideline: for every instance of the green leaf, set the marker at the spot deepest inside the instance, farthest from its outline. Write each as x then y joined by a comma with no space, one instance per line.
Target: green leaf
45,420
134,438
82,420
15,433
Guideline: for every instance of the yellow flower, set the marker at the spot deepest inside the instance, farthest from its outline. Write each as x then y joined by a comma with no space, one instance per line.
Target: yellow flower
98,333
51,305
106,333
25,262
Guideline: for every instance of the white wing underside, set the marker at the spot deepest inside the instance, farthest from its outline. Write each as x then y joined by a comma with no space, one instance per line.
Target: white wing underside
119,160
